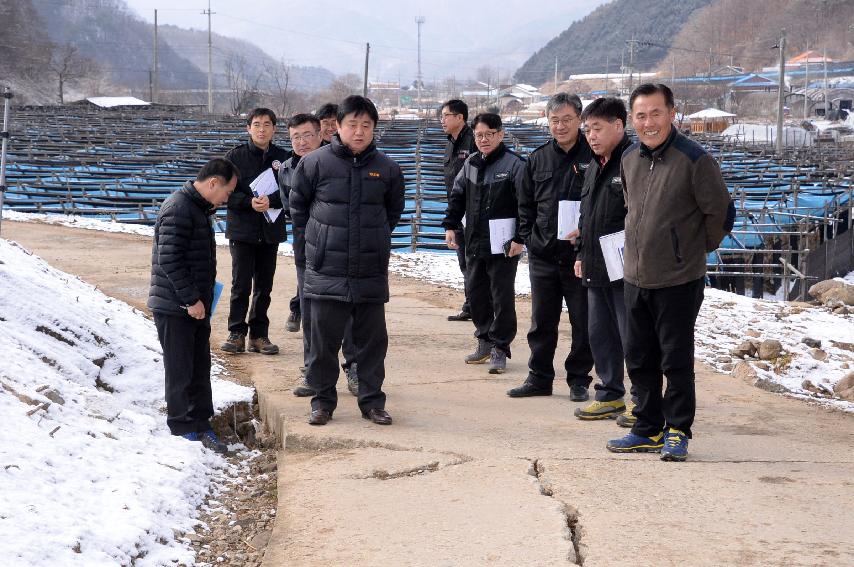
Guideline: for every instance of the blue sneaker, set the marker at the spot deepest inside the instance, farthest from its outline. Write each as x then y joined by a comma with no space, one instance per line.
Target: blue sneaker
632,443
212,442
191,436
675,446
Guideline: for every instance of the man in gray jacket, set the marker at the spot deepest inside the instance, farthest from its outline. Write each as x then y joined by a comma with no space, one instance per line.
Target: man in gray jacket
679,210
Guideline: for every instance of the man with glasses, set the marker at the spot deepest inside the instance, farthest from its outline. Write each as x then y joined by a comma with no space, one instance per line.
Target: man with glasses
328,116
304,131
485,193
454,116
553,177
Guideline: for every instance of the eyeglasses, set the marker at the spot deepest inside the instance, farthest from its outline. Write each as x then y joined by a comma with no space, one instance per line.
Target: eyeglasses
485,135
301,137
563,122
445,115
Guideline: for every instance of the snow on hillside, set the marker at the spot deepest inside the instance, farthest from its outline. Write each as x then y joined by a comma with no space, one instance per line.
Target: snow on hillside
90,475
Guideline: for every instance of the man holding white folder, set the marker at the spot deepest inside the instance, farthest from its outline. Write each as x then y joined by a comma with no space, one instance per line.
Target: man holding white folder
484,192
548,214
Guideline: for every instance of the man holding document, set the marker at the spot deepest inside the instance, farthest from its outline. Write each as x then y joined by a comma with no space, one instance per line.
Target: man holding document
603,215
548,218
484,192
254,228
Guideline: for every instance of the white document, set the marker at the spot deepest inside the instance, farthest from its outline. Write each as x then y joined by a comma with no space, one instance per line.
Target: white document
568,213
500,231
612,249
265,184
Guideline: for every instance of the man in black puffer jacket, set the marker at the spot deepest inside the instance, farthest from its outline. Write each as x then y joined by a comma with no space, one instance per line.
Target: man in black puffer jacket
252,239
183,268
348,196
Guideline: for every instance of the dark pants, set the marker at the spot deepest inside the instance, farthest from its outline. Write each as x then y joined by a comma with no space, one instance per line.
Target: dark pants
328,322
606,312
551,285
460,237
187,361
660,340
294,304
490,283
349,347
252,269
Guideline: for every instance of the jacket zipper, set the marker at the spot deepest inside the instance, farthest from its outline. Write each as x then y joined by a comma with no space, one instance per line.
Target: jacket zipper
640,218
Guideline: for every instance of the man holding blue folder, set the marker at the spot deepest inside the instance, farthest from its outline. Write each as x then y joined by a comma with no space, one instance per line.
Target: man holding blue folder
182,297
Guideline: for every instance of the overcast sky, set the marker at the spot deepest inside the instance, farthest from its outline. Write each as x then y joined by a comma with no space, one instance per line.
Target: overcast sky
457,37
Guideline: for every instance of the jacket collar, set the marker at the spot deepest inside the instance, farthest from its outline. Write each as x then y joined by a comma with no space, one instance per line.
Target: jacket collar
462,134
342,151
479,161
659,151
574,150
190,190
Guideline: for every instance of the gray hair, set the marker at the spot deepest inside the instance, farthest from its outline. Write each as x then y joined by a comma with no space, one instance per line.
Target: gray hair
561,99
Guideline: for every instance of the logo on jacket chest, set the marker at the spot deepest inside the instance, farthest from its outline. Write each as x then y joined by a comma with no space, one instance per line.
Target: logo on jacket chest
502,175
618,181
276,165
462,154
374,174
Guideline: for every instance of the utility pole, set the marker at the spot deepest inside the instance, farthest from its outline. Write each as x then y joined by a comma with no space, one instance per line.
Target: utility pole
709,76
367,55
419,21
7,98
782,79
632,46
210,59
825,83
156,89
607,68
806,84
555,74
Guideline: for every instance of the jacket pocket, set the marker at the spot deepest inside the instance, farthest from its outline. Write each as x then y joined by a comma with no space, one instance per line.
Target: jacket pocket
674,241
320,247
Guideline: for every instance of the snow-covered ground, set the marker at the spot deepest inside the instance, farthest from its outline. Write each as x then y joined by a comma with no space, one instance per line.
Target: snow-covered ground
90,475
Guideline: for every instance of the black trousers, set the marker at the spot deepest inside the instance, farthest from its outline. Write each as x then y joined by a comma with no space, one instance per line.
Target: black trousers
460,237
348,347
253,267
551,285
660,342
370,338
187,362
606,323
491,284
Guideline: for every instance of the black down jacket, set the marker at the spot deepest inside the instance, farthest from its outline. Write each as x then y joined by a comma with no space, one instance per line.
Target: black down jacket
348,205
183,258
243,223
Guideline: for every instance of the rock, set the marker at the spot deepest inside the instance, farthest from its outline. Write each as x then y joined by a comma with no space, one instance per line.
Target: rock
727,367
833,292
763,366
770,386
745,349
54,396
843,345
753,333
845,365
819,289
814,343
260,540
818,354
845,387
841,310
744,371
809,387
770,349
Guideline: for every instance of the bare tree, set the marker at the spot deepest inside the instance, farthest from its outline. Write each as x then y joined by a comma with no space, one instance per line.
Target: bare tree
243,90
344,86
280,75
67,65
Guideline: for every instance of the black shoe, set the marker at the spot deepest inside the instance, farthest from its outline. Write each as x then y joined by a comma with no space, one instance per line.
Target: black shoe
319,417
303,390
527,390
578,393
293,322
461,316
378,416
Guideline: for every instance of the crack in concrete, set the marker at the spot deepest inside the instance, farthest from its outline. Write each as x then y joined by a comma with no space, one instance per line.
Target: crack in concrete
301,443
431,467
573,528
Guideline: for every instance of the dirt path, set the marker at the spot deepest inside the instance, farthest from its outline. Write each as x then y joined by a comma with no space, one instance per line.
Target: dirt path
467,476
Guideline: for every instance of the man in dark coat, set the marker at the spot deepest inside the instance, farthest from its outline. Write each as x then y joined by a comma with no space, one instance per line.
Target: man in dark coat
253,237
454,117
553,177
348,196
183,269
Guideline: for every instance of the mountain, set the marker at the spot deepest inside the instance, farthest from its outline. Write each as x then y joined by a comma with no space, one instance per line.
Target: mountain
599,39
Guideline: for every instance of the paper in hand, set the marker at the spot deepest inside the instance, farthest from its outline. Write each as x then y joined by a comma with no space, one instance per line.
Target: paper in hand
567,218
263,185
613,246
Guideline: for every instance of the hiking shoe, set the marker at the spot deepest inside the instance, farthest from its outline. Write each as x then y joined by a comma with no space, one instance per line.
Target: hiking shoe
497,361
578,393
481,353
632,443
528,389
212,442
627,419
352,379
461,316
675,446
192,436
601,410
293,322
303,390
235,343
262,345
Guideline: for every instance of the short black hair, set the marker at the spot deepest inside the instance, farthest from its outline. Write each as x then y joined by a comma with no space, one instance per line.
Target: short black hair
491,120
609,108
218,167
357,104
328,110
647,89
457,106
298,120
564,99
258,112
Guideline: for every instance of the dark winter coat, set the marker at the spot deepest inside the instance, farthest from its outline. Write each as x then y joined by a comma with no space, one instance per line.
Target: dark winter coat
551,175
286,175
348,205
244,223
485,189
183,258
603,212
456,153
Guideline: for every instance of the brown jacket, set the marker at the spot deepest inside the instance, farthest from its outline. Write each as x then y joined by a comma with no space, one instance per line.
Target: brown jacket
679,210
